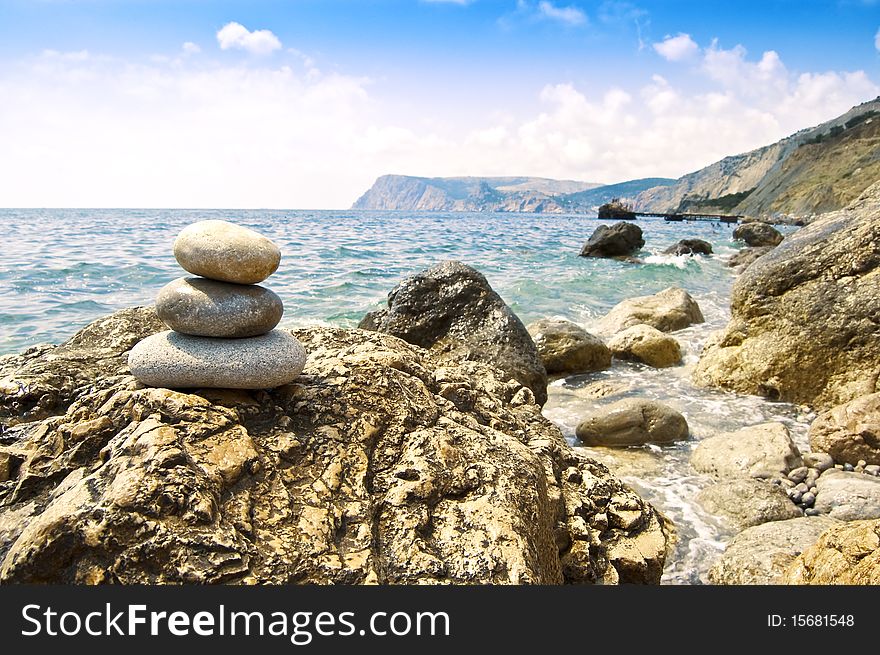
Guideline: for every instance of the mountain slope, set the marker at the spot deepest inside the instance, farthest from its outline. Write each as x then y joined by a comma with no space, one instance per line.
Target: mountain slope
498,194
814,170
591,198
404,192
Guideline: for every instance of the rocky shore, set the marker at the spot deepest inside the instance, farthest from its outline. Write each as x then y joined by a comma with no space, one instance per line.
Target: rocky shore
383,463
414,449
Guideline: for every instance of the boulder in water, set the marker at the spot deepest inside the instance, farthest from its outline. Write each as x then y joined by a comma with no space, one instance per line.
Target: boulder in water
804,323
645,344
618,240
745,257
668,310
565,347
689,247
451,309
632,422
758,234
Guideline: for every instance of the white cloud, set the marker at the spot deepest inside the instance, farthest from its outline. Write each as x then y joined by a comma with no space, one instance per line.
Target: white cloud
190,48
877,39
570,15
88,130
258,42
677,48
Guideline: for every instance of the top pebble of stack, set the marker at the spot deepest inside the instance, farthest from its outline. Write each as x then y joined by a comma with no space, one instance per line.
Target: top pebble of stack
219,250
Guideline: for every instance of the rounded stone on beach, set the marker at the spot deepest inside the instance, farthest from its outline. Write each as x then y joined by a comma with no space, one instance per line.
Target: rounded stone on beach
208,308
180,361
223,251
632,422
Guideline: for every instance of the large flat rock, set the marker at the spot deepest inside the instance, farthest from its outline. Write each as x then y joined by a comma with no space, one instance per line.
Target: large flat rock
180,361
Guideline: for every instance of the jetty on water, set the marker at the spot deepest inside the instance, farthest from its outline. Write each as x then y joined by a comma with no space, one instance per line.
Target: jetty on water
615,210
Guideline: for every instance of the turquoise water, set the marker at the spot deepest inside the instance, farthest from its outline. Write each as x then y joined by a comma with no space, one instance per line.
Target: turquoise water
61,269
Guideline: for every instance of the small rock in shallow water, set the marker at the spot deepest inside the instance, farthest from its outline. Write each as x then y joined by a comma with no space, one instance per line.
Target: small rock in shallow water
632,423
565,347
208,308
220,250
178,361
808,499
689,247
645,344
758,234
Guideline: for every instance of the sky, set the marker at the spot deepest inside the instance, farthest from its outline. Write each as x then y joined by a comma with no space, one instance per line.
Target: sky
302,103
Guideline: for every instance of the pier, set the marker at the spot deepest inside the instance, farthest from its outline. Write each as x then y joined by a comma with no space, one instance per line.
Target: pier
617,211
724,218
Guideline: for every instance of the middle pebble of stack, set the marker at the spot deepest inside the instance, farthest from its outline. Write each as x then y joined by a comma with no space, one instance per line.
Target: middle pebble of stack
222,322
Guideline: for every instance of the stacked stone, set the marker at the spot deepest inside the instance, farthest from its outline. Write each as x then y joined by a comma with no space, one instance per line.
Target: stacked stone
222,323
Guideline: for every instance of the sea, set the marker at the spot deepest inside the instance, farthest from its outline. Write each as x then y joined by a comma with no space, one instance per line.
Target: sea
62,268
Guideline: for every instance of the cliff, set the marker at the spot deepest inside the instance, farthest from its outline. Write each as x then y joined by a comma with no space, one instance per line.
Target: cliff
496,194
503,194
819,169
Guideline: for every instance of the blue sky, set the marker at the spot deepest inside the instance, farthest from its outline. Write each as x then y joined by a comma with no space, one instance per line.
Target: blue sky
302,103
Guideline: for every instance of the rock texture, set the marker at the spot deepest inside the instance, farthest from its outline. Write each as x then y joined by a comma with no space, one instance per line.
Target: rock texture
179,361
759,451
804,326
849,432
224,251
632,422
748,502
848,496
690,247
565,347
46,379
618,240
451,309
668,310
847,554
761,555
208,308
747,256
645,344
757,234
384,463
